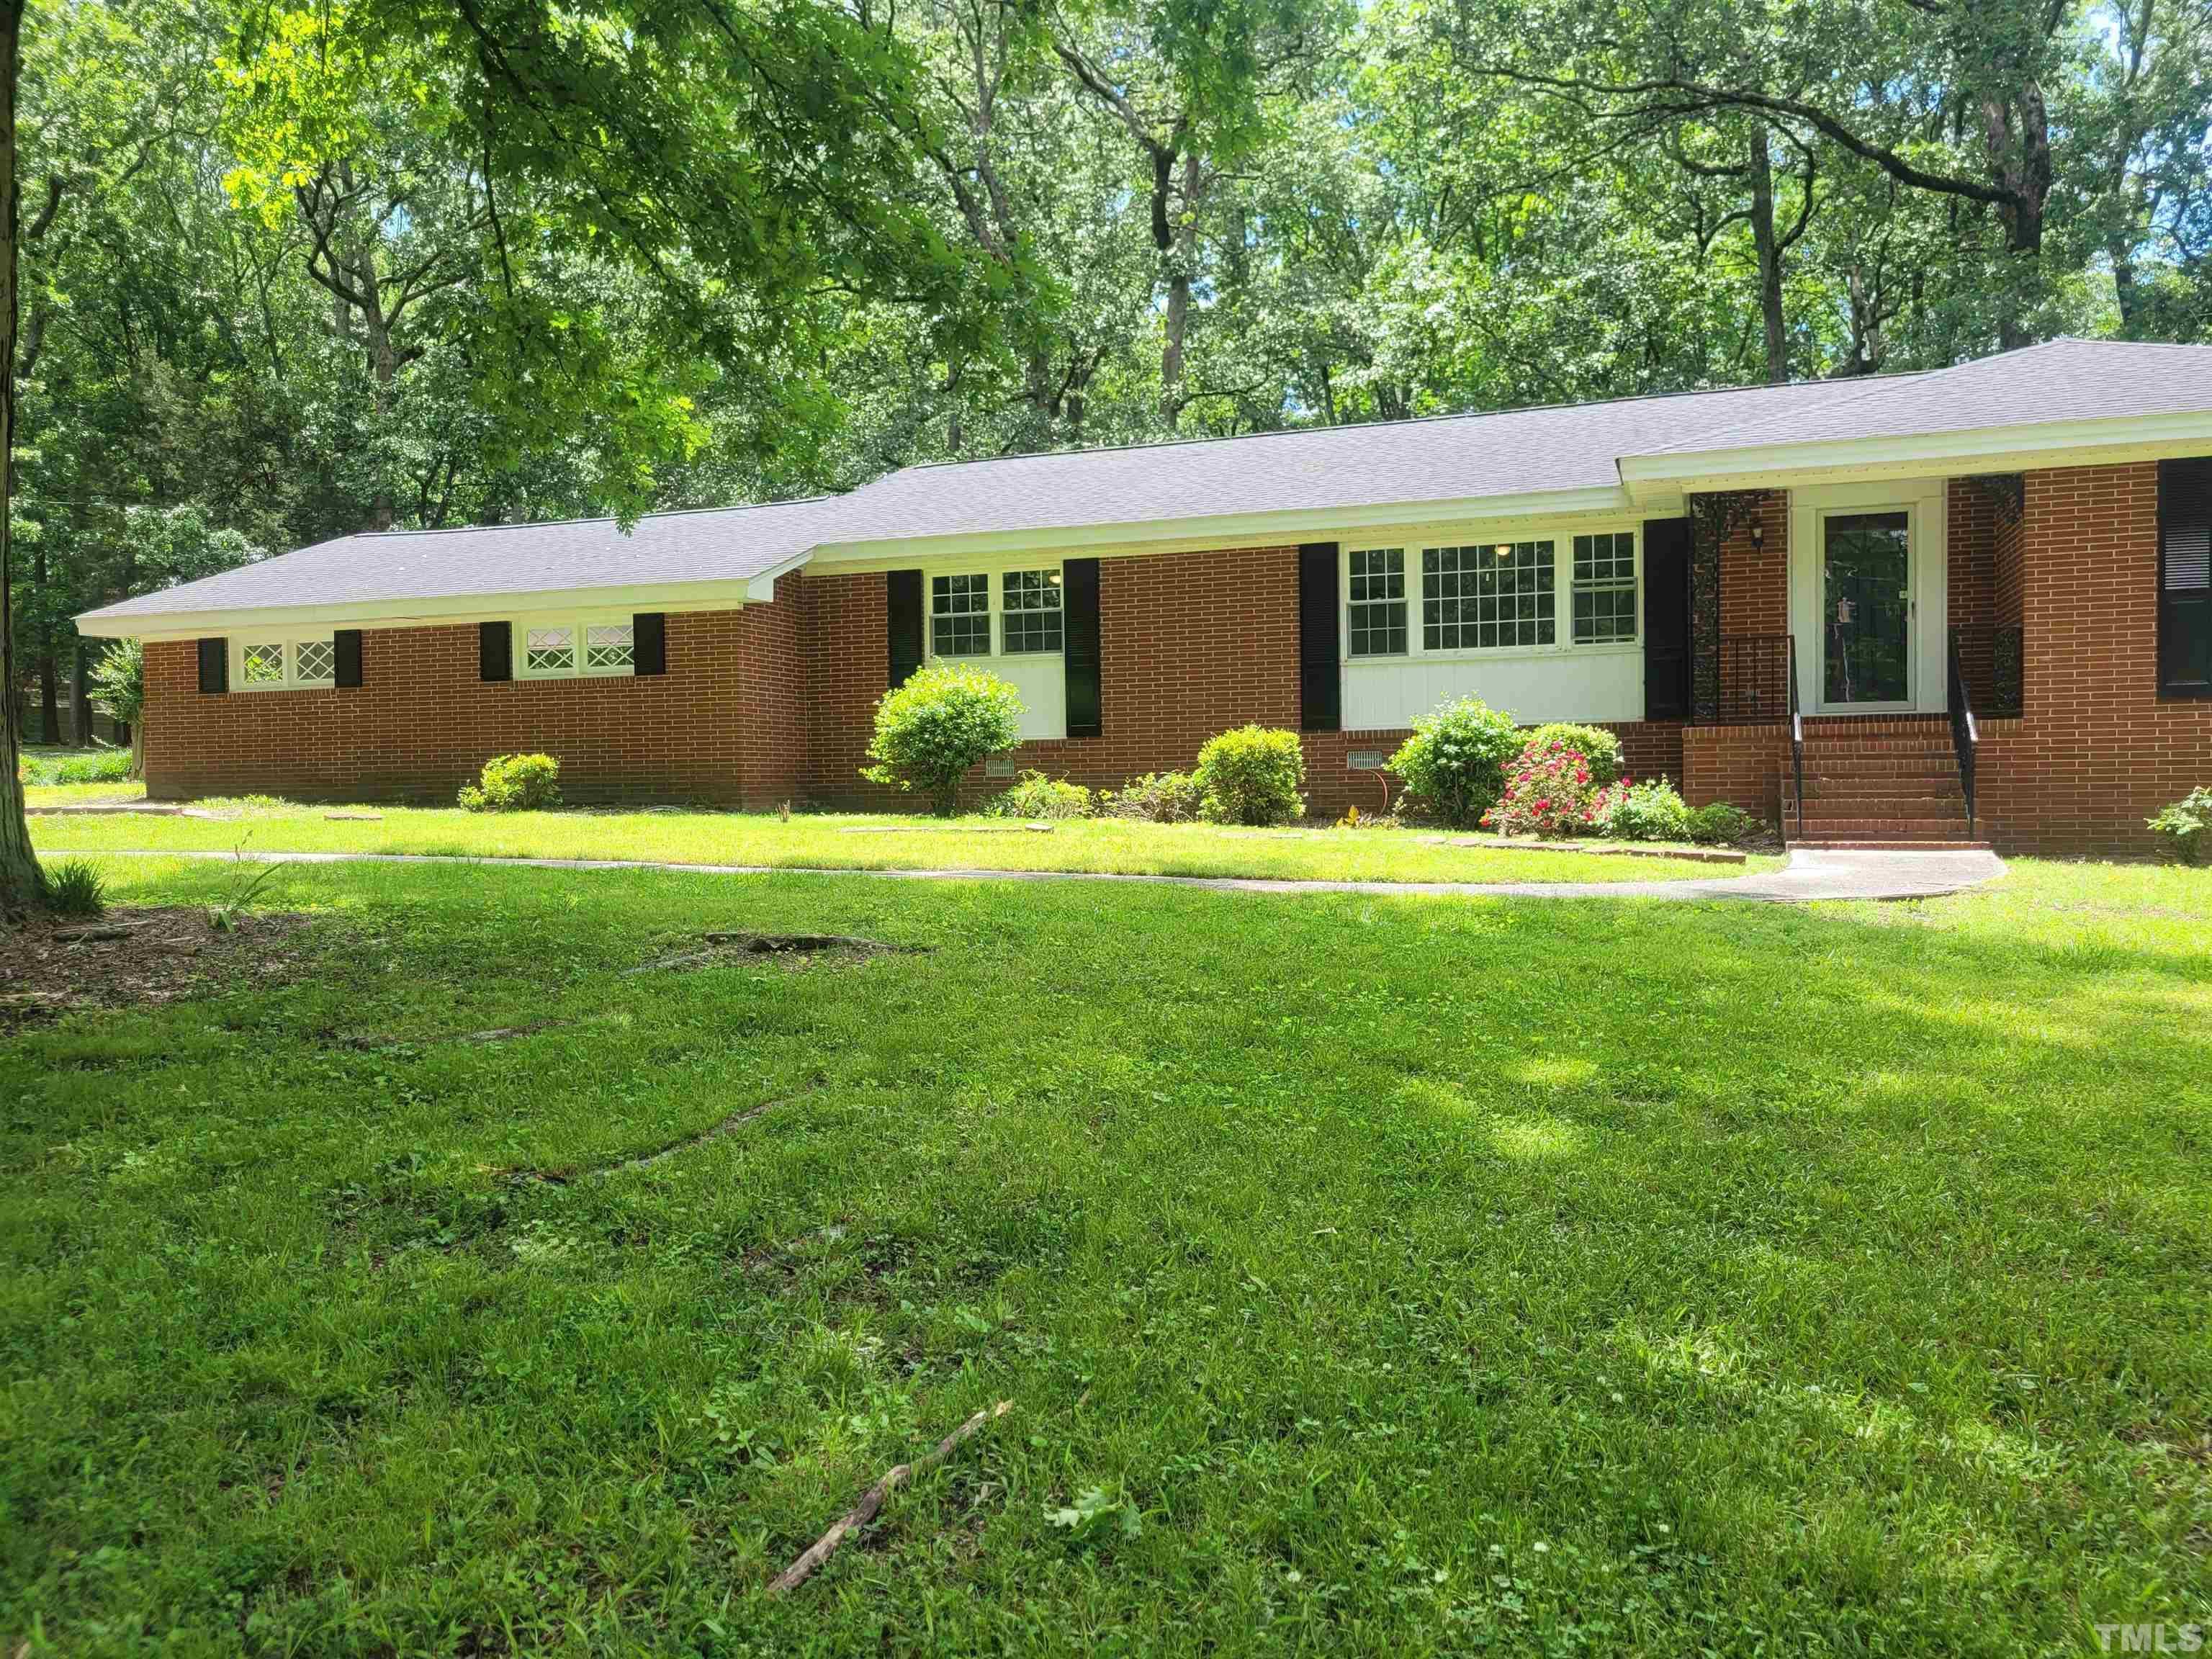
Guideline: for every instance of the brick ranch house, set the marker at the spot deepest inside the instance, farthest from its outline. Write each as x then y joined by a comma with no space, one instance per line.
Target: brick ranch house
1991,584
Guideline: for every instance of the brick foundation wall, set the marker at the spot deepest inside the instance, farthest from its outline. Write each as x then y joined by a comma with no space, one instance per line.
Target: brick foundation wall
1740,764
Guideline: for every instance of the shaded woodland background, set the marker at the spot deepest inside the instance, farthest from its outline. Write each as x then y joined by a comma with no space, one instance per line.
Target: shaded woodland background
291,271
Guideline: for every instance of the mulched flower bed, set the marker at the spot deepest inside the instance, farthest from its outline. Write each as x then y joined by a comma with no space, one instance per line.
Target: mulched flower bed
135,956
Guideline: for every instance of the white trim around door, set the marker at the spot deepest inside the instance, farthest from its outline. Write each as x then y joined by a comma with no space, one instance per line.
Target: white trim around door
1924,503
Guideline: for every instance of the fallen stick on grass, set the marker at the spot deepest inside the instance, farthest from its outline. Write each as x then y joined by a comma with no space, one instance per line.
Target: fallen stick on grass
873,1500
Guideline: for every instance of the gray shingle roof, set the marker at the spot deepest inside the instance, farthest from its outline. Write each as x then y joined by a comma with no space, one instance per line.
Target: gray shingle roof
664,548
1321,469
1398,466
2062,380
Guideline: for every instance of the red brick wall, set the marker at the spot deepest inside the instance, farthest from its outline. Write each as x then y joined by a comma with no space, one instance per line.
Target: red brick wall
775,703
1190,644
1755,580
1971,539
1738,764
421,723
2095,752
847,631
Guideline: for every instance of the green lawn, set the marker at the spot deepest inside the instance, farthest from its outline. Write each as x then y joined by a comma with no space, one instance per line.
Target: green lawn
1396,1275
858,842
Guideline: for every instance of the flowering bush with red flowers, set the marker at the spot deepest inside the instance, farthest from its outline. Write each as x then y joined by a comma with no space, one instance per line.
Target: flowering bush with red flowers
1550,789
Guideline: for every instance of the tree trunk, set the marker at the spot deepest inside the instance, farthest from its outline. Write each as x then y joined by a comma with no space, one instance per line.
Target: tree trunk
1770,256
1167,238
21,884
81,694
2125,289
49,703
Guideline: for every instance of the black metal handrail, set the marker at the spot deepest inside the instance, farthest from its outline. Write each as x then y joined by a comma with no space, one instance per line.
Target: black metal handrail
1749,687
1796,738
1965,738
1989,662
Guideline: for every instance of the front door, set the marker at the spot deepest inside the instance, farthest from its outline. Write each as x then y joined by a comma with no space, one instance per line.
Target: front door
1866,610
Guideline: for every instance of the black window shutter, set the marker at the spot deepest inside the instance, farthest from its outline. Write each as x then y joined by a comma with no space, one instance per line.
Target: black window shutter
1321,687
1666,619
648,637
2185,578
345,645
903,598
215,666
496,650
1079,600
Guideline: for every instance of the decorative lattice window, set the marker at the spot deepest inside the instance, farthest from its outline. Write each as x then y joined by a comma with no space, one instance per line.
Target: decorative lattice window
1487,598
262,664
549,651
609,647
315,662
1605,588
1030,599
960,615
1376,608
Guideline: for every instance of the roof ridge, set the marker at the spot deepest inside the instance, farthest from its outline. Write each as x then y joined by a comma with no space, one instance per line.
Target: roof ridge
596,518
1362,426
1874,383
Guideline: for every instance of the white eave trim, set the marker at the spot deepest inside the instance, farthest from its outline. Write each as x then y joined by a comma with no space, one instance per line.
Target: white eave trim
1229,530
2011,448
731,595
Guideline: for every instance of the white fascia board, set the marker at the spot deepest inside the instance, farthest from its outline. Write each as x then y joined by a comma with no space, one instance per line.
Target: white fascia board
1250,529
434,613
2016,448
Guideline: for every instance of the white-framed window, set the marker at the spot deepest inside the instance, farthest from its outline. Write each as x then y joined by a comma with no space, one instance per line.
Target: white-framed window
1605,588
960,614
1030,611
278,665
1535,588
566,647
1016,609
1375,612
1489,596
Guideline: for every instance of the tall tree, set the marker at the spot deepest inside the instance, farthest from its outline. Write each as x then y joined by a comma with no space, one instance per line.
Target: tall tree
21,883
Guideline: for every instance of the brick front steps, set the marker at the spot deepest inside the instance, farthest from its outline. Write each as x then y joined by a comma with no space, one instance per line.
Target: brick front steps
1878,784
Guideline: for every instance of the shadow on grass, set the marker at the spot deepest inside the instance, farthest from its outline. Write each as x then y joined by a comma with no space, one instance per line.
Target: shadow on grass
1835,1274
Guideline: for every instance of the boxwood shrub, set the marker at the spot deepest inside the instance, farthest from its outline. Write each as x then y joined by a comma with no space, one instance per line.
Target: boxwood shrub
1454,765
1253,775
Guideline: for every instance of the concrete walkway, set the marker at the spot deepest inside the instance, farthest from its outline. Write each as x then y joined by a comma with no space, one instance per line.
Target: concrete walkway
1811,874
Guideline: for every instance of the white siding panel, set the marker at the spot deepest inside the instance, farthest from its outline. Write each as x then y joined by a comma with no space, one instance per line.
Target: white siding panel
1042,678
1585,684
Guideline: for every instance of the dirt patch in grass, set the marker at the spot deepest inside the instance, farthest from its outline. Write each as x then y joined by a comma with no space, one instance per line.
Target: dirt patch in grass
137,957
794,949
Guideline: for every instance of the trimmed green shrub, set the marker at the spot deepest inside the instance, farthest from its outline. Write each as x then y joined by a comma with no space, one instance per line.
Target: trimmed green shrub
514,783
1157,797
1036,796
944,720
1454,765
75,889
1599,747
1718,823
2181,826
1252,776
1650,810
